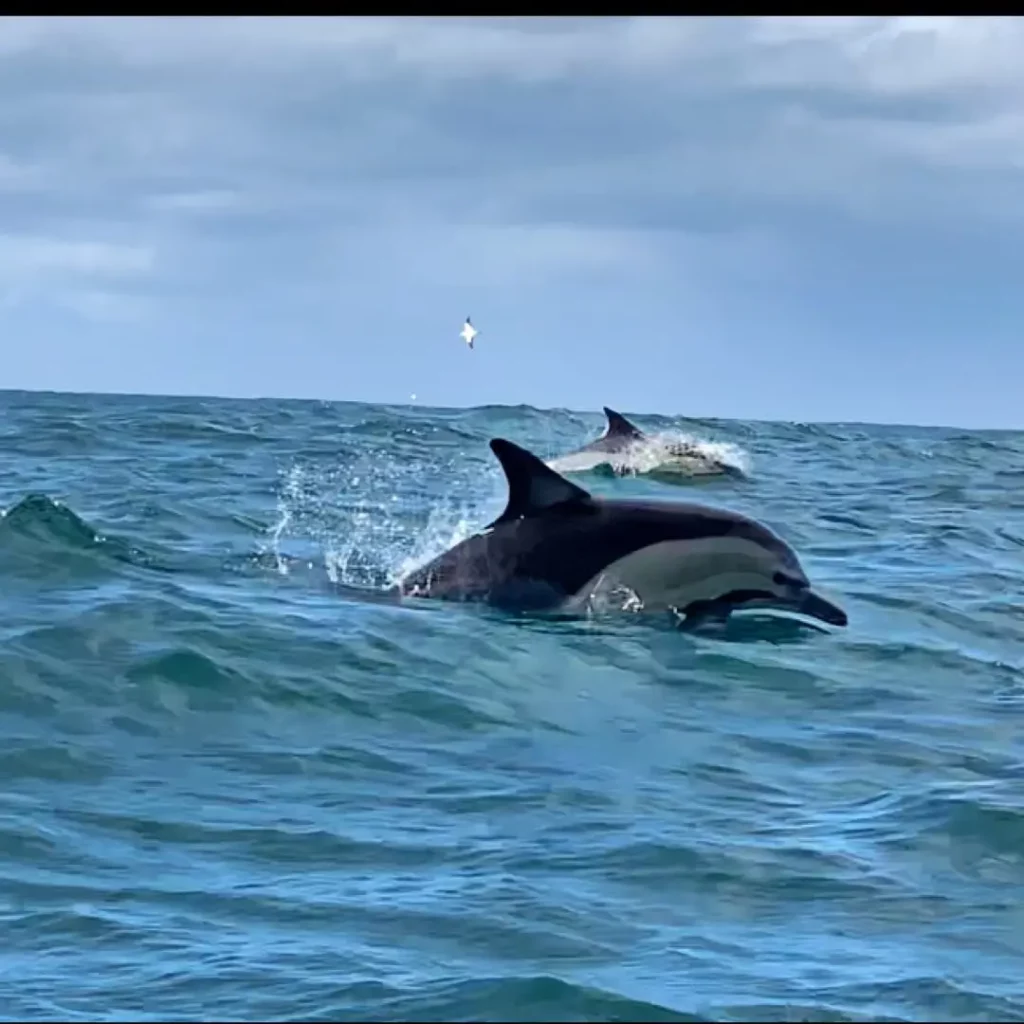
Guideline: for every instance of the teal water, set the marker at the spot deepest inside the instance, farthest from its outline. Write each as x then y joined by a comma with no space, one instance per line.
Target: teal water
234,789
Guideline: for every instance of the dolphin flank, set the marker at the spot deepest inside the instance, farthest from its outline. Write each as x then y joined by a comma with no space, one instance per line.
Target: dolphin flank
556,547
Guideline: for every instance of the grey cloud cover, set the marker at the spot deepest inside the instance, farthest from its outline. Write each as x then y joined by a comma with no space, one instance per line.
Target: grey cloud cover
245,204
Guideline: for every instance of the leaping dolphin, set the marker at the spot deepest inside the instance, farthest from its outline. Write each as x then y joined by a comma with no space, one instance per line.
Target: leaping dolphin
556,547
632,451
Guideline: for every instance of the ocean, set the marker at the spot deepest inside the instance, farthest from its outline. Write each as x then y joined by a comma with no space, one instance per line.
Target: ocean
237,787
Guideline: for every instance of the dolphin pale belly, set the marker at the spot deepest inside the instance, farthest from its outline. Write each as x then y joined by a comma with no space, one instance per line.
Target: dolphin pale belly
557,547
625,450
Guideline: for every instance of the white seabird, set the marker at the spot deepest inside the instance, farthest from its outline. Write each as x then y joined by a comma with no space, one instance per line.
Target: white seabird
468,333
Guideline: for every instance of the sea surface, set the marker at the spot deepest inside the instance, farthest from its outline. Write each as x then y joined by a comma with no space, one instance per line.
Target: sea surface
237,787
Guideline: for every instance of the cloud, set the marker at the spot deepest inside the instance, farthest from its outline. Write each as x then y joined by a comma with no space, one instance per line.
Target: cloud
31,265
311,169
32,255
797,107
458,97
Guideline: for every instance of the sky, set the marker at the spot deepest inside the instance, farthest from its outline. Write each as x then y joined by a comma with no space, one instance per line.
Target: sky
810,218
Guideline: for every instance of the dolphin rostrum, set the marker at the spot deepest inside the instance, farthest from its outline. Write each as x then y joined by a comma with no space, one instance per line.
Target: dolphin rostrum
557,547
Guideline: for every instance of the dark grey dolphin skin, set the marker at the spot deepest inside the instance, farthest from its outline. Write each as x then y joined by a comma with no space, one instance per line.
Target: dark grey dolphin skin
556,545
618,435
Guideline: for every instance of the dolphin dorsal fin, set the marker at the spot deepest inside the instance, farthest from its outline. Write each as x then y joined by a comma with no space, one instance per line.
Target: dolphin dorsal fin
619,426
533,487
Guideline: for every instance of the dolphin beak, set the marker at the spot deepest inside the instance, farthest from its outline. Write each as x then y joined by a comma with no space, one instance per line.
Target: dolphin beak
816,607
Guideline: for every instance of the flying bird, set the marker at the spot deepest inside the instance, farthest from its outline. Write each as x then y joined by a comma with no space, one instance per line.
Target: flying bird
469,333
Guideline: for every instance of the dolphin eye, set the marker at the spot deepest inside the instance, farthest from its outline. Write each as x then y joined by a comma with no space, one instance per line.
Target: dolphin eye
785,580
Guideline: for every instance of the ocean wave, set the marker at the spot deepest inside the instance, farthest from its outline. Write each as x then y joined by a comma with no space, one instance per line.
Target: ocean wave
241,784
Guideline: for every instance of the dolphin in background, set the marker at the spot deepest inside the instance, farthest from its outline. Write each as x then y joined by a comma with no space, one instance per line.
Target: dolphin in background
626,450
557,547
618,435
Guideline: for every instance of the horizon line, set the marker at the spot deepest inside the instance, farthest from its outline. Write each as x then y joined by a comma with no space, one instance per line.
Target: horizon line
494,405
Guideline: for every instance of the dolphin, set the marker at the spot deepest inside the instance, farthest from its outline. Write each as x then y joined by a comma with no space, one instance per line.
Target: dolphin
622,438
556,547
618,435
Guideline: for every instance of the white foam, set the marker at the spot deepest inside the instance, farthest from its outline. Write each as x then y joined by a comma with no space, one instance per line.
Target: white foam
668,452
